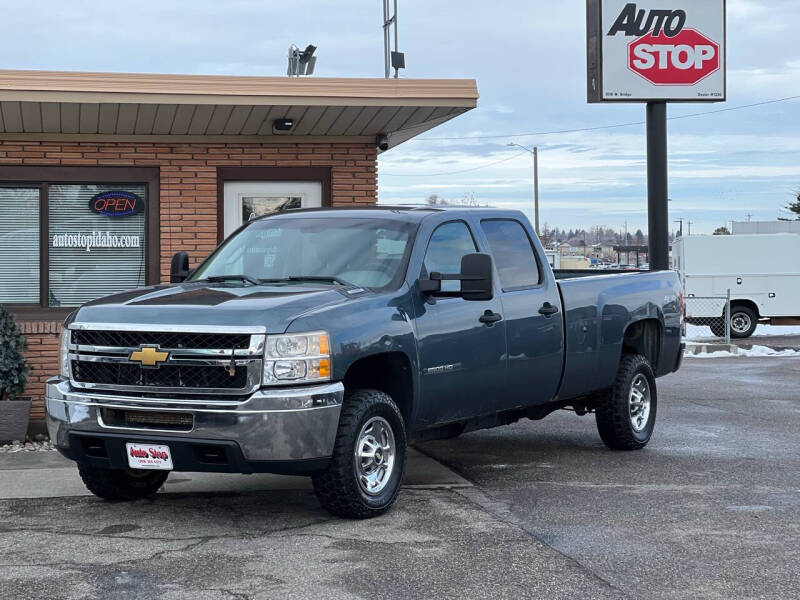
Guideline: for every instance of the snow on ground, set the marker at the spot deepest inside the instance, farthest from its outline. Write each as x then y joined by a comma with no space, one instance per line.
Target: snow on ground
701,333
746,352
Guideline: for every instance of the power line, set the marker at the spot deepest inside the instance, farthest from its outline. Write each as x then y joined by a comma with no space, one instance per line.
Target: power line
497,162
613,126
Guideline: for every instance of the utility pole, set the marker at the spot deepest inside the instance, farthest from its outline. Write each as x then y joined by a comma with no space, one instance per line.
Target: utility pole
535,153
680,231
748,215
689,223
657,194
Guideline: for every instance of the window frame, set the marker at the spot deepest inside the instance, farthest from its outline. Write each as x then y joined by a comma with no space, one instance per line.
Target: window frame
41,178
516,288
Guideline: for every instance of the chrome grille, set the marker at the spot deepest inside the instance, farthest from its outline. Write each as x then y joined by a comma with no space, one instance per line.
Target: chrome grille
186,376
213,362
177,340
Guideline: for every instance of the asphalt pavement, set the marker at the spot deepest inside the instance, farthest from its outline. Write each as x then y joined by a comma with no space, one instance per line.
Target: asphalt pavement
710,509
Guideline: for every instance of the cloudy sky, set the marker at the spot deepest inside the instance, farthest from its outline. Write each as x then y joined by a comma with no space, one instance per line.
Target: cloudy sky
528,57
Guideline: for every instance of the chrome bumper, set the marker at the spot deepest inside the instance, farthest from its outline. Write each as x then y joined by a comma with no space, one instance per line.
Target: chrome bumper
271,425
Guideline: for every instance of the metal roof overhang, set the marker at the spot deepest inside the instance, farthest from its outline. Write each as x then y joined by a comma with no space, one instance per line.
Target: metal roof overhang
69,105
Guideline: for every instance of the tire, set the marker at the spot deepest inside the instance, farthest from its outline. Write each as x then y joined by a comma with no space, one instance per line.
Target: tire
743,322
717,327
615,414
342,487
119,484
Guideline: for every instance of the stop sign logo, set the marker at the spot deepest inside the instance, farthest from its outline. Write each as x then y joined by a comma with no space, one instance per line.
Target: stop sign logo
684,59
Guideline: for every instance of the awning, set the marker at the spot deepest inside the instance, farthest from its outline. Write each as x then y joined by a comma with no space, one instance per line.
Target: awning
58,105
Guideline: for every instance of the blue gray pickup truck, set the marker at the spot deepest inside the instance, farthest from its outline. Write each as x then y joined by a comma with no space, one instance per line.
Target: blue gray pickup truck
321,342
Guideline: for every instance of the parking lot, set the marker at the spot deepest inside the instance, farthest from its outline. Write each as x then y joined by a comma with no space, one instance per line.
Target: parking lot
710,509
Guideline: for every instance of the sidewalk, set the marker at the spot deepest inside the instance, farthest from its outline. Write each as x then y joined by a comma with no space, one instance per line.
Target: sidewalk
50,475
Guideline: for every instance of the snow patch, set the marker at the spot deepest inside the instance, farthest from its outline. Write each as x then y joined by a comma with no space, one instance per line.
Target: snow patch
755,351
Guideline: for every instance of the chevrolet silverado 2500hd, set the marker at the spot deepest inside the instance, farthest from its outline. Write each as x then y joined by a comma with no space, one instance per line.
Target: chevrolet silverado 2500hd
320,342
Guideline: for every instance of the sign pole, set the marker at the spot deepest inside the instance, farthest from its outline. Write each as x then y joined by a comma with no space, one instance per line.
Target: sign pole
657,194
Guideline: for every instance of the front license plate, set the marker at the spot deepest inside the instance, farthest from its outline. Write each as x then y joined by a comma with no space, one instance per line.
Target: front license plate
149,456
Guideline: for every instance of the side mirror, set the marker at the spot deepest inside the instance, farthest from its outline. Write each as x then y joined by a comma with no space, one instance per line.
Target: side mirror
475,278
179,267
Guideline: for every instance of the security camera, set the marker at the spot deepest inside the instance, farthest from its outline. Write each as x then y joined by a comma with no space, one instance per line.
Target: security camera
382,141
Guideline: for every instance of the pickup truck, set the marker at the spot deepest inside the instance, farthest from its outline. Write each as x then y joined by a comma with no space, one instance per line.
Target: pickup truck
321,342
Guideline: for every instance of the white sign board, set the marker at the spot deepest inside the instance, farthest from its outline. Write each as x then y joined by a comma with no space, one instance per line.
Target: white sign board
652,50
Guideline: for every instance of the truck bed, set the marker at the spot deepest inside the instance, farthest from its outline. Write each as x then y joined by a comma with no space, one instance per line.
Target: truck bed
597,312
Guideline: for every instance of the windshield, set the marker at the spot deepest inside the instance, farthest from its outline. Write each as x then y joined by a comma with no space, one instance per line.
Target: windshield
360,251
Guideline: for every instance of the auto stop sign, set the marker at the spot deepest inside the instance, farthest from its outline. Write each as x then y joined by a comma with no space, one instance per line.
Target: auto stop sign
656,50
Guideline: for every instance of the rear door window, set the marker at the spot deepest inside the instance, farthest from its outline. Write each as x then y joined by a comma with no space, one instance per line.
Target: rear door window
513,254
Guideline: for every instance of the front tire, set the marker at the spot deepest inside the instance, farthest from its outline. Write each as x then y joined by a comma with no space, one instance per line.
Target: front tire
626,416
369,458
119,484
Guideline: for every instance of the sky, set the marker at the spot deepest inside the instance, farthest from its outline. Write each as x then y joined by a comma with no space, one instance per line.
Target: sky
528,58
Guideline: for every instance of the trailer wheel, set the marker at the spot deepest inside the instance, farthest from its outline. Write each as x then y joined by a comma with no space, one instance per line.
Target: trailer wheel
369,458
626,416
743,322
119,484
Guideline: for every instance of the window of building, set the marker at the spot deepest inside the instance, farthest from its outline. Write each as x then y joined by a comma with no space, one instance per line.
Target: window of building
448,244
63,243
512,252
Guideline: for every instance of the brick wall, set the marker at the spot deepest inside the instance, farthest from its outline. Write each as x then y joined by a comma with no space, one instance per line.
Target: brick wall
188,199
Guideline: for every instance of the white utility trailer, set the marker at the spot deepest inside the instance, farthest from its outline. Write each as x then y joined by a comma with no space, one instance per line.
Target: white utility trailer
762,273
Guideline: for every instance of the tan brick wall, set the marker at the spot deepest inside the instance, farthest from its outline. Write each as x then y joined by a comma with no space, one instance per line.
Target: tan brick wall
188,198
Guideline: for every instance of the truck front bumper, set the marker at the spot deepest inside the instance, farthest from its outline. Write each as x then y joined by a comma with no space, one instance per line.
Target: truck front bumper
273,430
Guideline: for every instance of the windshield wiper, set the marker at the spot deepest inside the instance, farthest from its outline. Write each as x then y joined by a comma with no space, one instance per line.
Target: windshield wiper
220,278
322,278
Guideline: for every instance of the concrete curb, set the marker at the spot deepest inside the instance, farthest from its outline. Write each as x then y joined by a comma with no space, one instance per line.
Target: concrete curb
695,348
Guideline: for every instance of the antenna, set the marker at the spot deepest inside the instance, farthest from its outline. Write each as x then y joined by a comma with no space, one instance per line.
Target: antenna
392,59
301,62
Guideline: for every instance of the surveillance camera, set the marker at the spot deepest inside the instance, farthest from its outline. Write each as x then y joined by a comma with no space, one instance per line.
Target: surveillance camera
382,141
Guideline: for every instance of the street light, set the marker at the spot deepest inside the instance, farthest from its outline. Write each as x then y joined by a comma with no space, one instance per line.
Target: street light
535,153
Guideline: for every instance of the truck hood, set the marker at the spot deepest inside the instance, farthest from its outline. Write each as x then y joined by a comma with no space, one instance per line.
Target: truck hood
272,307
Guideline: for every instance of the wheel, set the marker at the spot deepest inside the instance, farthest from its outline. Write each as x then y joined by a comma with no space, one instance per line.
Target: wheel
626,416
119,484
369,458
743,322
717,327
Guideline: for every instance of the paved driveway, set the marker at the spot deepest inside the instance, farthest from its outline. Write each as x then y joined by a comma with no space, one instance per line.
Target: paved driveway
710,509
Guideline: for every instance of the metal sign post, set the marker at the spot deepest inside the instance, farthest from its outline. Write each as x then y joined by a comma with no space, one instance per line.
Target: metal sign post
656,51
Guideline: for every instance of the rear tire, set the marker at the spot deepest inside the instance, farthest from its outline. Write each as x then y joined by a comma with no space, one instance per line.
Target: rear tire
118,484
626,416
369,458
743,322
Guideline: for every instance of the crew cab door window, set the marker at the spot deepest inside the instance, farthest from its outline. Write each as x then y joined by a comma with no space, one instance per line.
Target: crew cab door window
448,244
513,254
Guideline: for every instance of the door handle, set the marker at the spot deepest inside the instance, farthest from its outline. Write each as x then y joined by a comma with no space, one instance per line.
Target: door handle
490,317
548,309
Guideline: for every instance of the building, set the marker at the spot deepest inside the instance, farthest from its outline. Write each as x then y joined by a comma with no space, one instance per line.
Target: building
104,176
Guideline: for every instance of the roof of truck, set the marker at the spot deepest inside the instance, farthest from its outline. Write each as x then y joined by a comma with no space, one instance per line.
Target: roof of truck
404,213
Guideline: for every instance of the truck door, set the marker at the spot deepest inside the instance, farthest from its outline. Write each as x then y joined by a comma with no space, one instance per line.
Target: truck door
531,310
462,358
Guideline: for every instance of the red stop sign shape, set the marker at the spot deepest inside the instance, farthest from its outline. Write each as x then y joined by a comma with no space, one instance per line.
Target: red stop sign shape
684,59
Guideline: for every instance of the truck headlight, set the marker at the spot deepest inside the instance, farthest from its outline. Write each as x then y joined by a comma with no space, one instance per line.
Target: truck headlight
63,353
297,357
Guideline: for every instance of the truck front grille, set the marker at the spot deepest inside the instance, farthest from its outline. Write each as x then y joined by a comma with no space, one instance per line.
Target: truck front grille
176,340
184,376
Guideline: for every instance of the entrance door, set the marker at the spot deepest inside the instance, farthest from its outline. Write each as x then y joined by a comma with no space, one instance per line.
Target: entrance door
247,200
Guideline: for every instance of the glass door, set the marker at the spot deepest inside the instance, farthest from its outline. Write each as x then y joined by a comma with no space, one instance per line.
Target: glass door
247,200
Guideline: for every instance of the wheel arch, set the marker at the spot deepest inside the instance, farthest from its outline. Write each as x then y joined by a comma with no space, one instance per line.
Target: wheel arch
388,372
746,302
644,337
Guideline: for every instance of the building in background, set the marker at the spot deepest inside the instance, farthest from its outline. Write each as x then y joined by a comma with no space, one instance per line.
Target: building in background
104,176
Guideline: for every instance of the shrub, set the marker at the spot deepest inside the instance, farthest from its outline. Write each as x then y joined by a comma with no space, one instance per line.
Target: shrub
13,369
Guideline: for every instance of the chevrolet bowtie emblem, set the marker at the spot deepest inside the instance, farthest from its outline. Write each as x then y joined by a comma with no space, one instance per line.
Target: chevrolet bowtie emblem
149,356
